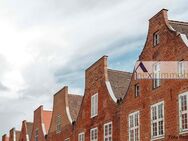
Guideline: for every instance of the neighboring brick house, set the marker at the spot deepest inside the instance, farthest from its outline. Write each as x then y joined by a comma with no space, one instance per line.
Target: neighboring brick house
99,111
5,137
65,110
14,135
26,131
157,109
41,124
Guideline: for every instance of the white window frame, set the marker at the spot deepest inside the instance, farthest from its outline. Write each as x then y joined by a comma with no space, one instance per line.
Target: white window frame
137,90
156,75
81,136
181,130
135,127
157,120
67,139
94,105
95,130
156,38
36,134
108,136
58,123
181,69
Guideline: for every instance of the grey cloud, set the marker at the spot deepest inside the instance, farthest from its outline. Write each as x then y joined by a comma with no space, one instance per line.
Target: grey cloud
74,34
3,87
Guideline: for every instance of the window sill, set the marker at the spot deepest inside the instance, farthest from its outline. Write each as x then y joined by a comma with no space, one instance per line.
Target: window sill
183,132
157,138
155,88
94,116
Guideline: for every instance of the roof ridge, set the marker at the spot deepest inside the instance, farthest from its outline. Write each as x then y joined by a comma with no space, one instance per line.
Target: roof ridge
74,95
118,71
179,22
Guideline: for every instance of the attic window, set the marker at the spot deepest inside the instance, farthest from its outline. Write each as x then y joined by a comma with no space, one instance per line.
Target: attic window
156,38
58,124
94,105
137,90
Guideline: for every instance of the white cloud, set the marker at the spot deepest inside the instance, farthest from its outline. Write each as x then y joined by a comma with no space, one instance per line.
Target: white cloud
47,44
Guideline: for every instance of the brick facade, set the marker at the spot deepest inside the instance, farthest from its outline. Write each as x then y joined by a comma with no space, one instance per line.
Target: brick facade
14,135
5,137
97,81
65,110
26,131
170,48
41,124
110,102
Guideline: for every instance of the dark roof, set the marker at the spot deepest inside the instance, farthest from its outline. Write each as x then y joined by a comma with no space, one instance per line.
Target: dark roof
181,27
119,81
29,128
74,102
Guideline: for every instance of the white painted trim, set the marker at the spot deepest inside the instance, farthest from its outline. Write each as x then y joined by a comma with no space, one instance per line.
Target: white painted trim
135,127
81,134
43,129
95,106
182,131
157,120
67,139
110,91
171,28
27,137
106,124
93,129
184,38
68,114
14,135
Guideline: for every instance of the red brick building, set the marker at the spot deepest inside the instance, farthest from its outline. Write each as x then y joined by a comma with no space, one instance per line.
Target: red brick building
5,137
157,109
14,135
26,131
99,112
65,111
117,106
41,124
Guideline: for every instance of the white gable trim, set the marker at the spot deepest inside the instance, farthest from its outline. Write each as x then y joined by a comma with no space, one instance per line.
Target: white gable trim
184,38
110,91
27,137
68,114
43,129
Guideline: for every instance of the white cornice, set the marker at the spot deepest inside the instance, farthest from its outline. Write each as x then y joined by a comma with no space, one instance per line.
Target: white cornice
110,91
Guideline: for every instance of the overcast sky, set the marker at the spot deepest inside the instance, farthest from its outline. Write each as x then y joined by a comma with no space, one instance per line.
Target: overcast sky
46,44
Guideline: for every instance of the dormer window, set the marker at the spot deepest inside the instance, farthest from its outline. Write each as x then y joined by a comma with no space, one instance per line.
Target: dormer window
94,105
156,38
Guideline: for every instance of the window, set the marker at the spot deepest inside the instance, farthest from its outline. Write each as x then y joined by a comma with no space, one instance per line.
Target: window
81,137
94,134
58,123
67,139
37,134
94,105
157,120
181,69
156,75
134,127
183,112
156,38
137,90
108,132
